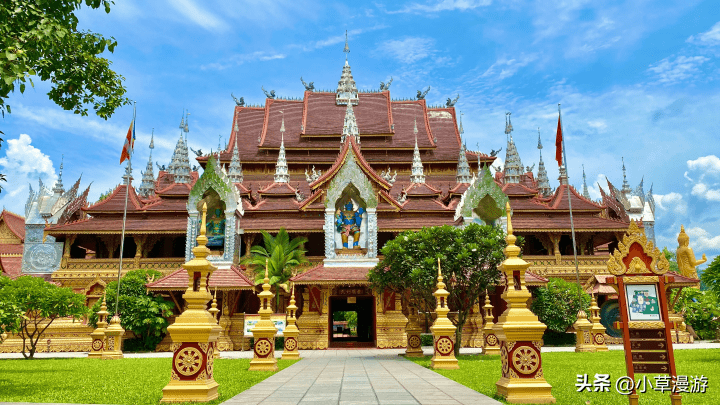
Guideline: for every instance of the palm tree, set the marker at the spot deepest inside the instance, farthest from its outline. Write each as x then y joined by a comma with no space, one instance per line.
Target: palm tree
282,255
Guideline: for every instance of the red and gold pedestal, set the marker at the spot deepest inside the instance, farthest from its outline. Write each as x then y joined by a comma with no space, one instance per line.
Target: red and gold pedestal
264,332
583,334
520,334
598,330
114,333
98,335
491,344
443,330
194,333
292,332
413,331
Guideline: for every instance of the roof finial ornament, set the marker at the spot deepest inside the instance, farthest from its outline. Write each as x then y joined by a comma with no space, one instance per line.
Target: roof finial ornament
59,188
281,168
586,194
543,181
417,172
347,47
421,94
461,130
626,186
539,142
147,186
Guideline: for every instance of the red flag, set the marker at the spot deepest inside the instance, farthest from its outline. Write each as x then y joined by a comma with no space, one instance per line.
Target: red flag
558,143
129,141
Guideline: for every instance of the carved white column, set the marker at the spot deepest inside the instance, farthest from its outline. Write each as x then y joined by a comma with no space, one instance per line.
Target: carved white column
329,229
372,233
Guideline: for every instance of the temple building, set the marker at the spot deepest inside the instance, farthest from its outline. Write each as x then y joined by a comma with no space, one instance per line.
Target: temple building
348,169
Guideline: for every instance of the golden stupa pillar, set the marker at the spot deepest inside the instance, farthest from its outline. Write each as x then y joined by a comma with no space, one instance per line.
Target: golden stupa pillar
291,332
264,332
583,335
194,333
491,345
443,330
98,335
413,332
114,334
214,311
520,334
598,330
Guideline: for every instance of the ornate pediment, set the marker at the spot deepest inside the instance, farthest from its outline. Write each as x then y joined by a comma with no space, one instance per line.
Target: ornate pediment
636,254
483,194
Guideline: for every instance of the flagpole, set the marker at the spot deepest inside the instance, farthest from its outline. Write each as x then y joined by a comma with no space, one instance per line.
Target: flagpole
128,171
572,224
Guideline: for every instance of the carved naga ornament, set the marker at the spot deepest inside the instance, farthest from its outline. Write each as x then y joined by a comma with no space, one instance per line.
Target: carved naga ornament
637,255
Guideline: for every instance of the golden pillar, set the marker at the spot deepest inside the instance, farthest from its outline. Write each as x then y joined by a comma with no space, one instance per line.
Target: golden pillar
443,330
194,333
98,335
598,330
520,334
214,311
114,334
264,331
491,345
583,335
291,331
413,331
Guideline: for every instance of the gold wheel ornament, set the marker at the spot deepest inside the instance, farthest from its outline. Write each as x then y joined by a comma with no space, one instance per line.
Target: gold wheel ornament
599,339
526,360
97,345
414,341
491,340
263,347
290,344
444,346
188,361
504,360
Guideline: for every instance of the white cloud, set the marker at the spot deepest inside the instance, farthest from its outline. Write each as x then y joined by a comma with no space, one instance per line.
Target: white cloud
408,50
22,164
443,5
700,240
600,125
198,15
680,69
239,59
703,191
594,187
671,202
504,67
707,164
711,37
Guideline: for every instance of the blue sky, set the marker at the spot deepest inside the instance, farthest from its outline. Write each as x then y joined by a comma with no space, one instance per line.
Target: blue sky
637,79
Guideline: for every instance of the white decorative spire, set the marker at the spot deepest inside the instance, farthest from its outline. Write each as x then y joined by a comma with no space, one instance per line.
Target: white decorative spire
235,173
463,168
59,188
461,130
179,165
350,127
513,169
626,190
417,174
281,168
563,178
147,187
346,91
585,192
543,181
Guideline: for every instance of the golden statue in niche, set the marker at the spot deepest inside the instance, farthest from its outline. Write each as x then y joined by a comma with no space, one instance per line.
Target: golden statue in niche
686,257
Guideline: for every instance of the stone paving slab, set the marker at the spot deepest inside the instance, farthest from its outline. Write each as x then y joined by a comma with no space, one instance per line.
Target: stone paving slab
358,377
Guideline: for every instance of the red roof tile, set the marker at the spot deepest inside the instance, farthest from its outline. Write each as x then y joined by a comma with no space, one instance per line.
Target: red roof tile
134,224
11,266
518,189
272,223
421,189
324,117
15,222
11,249
116,201
230,278
559,200
332,275
278,188
525,223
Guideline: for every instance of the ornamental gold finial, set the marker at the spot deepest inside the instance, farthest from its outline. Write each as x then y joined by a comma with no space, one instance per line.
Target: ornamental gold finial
267,279
204,215
439,270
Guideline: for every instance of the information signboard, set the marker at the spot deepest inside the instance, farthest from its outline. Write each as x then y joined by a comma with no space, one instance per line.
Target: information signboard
278,319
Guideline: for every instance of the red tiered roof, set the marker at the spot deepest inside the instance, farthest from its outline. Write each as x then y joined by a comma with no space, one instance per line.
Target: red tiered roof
223,279
332,275
14,222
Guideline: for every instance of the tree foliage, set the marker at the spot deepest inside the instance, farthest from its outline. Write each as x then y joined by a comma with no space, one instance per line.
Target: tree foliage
701,310
469,257
558,303
39,303
10,312
710,277
670,256
41,38
283,255
144,313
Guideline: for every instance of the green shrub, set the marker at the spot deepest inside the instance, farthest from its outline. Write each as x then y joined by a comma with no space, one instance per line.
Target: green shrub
552,338
279,342
558,303
701,310
426,339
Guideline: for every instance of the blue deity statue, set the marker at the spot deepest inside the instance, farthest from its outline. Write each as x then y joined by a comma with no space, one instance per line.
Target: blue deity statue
347,222
215,229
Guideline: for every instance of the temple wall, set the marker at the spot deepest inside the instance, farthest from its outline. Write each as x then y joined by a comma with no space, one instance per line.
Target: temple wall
63,335
390,324
313,325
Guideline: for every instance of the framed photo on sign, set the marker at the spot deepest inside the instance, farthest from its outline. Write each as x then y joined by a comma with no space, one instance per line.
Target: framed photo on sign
642,302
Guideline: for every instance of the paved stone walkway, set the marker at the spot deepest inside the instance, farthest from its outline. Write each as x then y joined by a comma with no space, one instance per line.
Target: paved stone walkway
358,377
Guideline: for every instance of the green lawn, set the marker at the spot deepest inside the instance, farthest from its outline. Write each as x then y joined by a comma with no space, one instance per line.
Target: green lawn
482,372
124,381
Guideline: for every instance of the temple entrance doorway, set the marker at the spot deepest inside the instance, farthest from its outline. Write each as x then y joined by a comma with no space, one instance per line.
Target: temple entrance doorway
352,321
